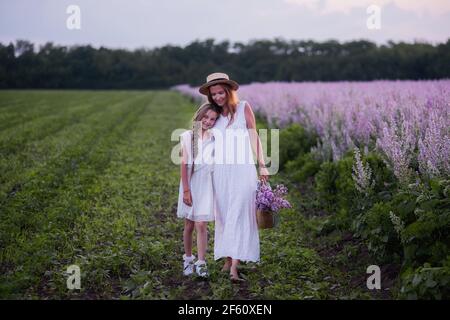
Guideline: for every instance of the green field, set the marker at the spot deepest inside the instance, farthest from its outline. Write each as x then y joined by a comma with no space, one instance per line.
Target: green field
86,179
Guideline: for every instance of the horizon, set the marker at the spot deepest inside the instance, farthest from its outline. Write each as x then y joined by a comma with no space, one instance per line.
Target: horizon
216,41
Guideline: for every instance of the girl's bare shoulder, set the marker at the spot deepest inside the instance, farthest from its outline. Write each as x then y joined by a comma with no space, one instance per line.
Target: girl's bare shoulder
186,134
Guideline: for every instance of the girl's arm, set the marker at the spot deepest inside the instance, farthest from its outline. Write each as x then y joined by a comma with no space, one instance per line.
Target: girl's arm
255,141
187,197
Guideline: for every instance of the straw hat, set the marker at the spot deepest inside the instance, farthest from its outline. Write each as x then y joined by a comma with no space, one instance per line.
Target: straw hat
216,78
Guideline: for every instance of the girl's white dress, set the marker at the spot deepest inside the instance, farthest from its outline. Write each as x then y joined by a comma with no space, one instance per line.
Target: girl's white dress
235,182
200,182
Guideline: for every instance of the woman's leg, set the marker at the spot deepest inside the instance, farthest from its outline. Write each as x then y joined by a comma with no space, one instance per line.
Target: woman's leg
187,236
233,270
202,239
227,265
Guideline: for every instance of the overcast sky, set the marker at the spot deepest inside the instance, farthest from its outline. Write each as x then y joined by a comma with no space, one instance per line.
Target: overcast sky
150,23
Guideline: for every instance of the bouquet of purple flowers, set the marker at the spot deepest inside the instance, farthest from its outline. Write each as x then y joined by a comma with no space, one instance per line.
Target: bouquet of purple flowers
269,202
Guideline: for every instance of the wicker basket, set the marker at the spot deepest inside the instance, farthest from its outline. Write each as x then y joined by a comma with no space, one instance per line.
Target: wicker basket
265,219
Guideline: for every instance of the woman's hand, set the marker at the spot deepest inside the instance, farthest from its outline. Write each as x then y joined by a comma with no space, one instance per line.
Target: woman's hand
187,198
263,174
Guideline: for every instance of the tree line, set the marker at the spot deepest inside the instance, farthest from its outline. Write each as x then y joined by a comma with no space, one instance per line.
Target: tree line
57,67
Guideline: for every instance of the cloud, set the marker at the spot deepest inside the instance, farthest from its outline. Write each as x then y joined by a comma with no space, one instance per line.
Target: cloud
434,7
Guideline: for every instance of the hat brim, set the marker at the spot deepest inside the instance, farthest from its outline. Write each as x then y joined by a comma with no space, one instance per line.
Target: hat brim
204,88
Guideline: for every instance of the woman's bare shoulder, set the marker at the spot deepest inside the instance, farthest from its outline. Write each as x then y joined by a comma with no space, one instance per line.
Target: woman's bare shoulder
247,109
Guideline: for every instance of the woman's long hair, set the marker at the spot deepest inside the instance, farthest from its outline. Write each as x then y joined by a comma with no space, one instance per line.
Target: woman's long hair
197,127
232,100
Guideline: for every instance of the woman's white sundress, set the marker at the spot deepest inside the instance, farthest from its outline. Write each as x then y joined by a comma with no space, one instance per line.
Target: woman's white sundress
200,182
235,183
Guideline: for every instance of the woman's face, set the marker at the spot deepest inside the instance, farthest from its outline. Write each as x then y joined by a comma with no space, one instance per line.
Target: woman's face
218,94
209,119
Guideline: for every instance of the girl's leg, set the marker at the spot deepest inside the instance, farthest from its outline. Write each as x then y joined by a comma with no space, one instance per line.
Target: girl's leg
187,236
233,270
202,239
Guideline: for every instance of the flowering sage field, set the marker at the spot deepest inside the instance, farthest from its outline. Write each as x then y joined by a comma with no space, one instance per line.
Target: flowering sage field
376,156
408,121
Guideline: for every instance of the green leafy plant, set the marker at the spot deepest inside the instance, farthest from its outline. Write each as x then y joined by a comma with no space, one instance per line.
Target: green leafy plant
294,141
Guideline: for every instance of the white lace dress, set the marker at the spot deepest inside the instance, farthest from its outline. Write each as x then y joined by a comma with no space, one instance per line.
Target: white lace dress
200,182
235,181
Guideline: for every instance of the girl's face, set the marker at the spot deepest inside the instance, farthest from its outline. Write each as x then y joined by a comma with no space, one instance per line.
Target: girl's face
209,119
218,94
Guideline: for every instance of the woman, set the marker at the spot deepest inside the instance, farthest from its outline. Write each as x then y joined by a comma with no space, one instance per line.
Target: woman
234,178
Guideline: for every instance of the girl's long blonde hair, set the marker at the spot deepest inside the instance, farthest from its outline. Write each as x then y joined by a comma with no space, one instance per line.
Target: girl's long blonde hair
232,100
197,127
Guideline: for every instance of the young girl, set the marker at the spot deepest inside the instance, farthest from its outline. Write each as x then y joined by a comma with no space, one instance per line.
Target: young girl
195,200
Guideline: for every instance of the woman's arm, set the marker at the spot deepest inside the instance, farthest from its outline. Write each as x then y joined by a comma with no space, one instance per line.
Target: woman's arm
255,141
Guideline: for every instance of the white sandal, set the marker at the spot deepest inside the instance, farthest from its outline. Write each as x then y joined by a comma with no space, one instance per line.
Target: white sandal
188,265
201,269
